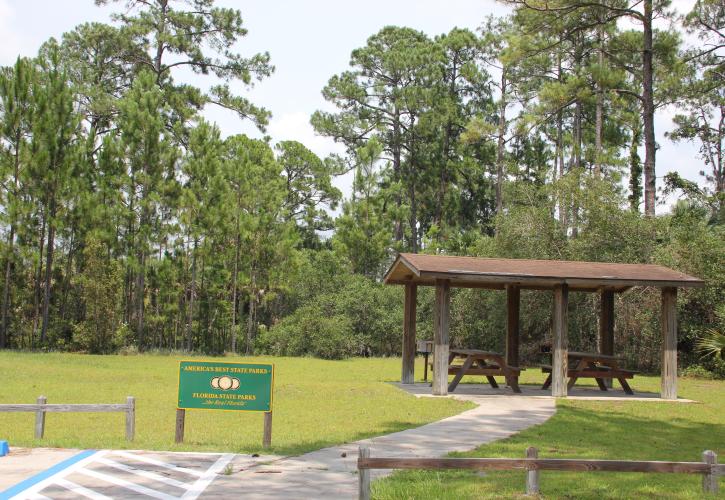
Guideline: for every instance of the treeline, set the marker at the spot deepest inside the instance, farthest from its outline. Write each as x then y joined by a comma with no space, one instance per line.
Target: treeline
129,222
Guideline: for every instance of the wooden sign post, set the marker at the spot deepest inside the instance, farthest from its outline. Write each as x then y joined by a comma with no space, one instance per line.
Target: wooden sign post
208,385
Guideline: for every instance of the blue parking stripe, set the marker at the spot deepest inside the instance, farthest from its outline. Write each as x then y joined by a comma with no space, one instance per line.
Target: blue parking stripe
31,481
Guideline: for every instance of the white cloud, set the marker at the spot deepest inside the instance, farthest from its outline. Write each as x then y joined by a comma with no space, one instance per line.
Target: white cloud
296,126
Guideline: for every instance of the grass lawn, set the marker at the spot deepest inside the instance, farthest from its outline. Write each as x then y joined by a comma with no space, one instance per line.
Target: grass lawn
317,403
321,403
592,429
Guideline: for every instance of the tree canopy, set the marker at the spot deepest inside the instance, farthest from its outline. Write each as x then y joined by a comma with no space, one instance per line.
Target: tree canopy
130,222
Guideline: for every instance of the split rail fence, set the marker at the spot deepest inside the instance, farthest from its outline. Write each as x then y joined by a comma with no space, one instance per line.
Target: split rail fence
709,468
41,407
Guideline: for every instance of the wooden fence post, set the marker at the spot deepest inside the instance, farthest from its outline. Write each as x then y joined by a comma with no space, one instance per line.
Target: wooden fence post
532,475
180,416
709,479
40,418
364,475
130,418
267,437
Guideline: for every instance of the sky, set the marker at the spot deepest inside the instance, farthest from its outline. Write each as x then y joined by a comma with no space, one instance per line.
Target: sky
309,41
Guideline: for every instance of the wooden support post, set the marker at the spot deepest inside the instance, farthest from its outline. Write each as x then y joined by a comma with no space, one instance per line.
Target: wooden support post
409,311
40,418
559,366
513,299
669,344
441,317
130,418
532,475
709,480
267,438
606,326
364,476
180,417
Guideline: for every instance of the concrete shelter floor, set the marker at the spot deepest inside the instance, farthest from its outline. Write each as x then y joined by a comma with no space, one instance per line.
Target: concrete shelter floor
468,390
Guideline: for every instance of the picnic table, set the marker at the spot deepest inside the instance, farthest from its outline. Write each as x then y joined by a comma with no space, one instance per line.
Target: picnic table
485,363
600,367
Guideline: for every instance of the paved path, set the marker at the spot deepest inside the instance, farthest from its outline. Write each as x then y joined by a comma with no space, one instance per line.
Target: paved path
332,472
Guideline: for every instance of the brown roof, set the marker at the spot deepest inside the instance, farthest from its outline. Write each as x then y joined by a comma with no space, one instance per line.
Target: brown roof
536,274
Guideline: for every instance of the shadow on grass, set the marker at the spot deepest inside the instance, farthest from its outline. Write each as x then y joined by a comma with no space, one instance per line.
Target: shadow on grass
304,446
651,432
654,431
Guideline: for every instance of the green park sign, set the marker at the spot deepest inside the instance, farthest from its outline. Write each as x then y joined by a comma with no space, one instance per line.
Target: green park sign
208,385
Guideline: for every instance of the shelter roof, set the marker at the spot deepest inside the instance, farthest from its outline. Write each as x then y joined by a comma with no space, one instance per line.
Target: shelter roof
480,272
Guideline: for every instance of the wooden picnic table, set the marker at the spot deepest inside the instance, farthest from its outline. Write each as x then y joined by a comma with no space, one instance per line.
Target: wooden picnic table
485,363
600,367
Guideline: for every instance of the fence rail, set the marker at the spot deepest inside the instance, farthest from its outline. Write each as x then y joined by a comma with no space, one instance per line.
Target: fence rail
708,467
41,407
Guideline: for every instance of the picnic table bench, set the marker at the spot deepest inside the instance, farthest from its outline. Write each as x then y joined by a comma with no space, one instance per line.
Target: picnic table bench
486,363
600,367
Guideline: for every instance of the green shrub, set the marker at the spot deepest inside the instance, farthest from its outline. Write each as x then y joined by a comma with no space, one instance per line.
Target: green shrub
715,365
697,371
309,332
362,318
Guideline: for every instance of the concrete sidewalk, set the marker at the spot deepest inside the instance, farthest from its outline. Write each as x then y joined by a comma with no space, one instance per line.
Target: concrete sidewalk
332,472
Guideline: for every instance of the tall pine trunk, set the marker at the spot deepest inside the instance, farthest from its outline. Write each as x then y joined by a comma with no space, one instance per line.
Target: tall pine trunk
599,121
65,287
252,317
6,288
635,167
140,296
48,268
234,289
577,164
501,144
413,217
447,140
38,280
10,257
563,203
648,114
192,296
577,153
397,163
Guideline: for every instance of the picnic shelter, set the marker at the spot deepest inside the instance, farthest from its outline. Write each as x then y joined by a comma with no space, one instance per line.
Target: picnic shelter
514,275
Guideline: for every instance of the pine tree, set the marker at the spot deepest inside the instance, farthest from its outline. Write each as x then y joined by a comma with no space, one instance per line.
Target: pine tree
310,193
151,159
55,125
172,38
15,127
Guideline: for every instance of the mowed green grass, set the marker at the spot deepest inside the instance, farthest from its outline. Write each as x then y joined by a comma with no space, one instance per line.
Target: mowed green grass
317,403
617,430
